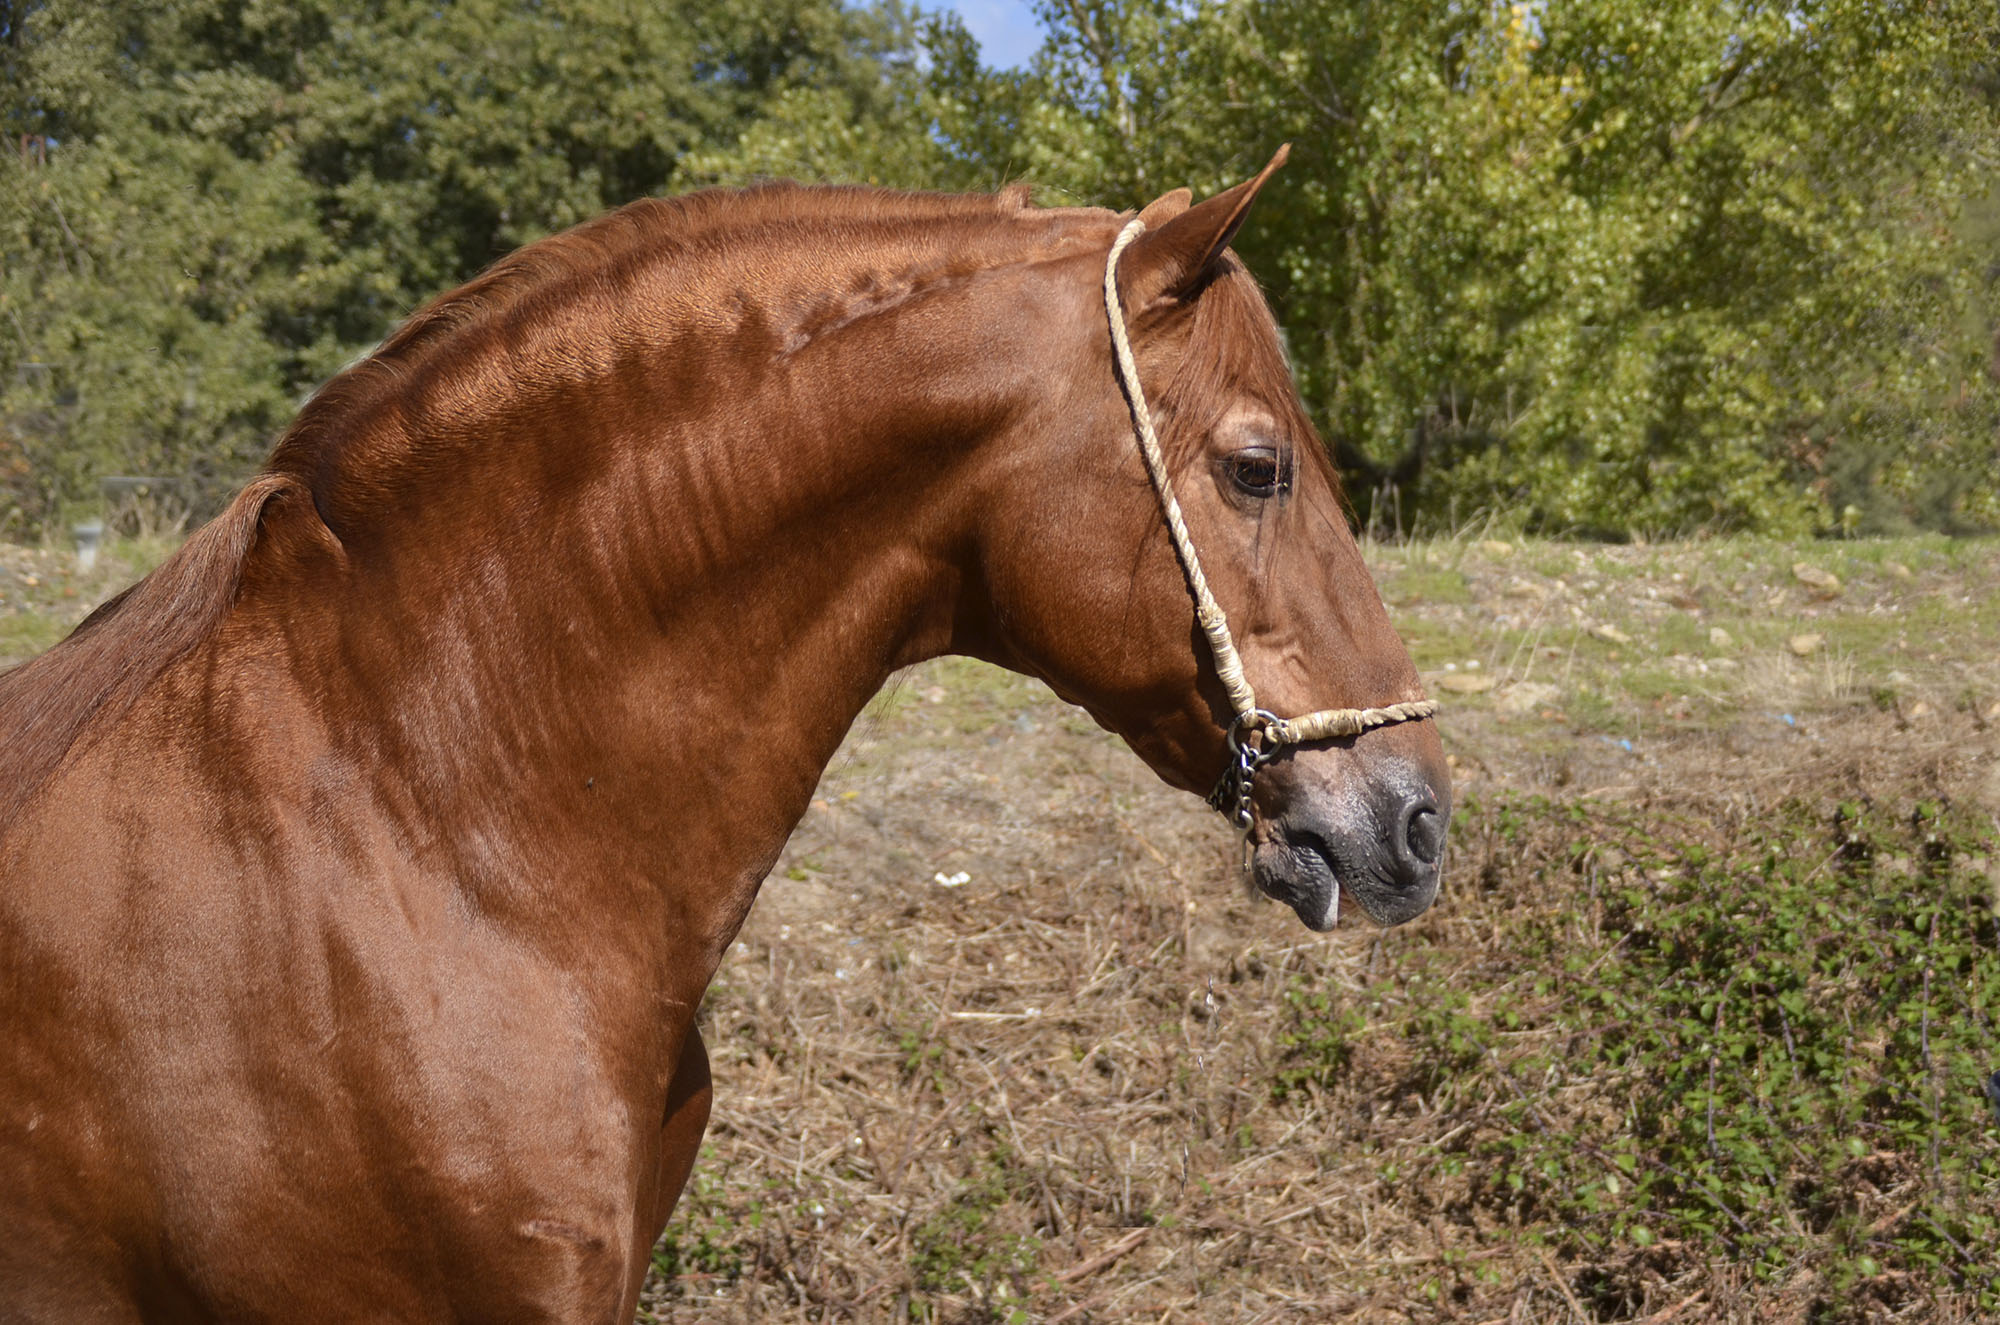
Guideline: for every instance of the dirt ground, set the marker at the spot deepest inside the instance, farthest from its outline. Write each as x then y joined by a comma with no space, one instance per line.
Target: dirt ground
998,1041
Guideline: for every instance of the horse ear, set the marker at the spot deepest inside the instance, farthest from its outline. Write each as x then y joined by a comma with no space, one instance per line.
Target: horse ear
1170,257
1166,207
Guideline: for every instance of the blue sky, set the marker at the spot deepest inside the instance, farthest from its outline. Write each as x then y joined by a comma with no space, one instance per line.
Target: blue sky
1007,32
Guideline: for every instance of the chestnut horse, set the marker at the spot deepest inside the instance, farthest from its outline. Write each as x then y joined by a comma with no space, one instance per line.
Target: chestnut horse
361,868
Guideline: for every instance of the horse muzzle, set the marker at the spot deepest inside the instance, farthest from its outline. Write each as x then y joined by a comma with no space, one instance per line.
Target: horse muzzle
1379,846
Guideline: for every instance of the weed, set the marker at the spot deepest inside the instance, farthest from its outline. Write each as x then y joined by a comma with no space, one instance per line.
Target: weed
956,1248
706,1240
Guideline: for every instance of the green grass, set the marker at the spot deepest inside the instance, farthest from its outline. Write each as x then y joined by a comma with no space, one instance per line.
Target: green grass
1527,611
1432,647
26,634
1426,585
1681,633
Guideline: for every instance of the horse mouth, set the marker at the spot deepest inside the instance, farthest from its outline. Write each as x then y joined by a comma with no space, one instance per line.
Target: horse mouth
1303,876
1313,876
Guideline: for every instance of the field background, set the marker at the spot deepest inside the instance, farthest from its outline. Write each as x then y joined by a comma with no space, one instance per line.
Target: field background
1698,1028
1702,1026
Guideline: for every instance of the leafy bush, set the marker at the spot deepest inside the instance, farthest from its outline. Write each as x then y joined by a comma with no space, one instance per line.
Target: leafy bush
1768,1049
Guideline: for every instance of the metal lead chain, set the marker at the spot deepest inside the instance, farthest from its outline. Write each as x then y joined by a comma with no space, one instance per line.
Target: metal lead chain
1249,750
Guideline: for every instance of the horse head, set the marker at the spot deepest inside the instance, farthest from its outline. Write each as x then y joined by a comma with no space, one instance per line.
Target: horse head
1089,593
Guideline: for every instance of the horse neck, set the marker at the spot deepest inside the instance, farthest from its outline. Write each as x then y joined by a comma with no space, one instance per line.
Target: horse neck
624,646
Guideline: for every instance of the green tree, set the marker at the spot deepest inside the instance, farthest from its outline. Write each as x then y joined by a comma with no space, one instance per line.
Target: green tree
136,297
1597,265
936,119
1590,264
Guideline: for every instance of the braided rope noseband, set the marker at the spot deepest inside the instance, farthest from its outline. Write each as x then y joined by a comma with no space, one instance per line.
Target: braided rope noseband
1256,735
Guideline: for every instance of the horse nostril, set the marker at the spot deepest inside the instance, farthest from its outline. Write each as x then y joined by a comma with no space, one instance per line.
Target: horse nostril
1424,832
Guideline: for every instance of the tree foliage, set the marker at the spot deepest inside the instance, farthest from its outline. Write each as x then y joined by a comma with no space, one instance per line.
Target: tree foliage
1596,265
1603,265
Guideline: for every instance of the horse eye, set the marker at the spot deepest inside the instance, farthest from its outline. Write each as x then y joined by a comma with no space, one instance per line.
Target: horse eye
1256,470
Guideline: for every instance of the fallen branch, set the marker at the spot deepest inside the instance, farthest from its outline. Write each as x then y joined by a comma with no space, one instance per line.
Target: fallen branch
1085,1268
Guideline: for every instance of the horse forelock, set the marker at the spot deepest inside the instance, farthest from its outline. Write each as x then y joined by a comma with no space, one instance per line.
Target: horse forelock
1233,352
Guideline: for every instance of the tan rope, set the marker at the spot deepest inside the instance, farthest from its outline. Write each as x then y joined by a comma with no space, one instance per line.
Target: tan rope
1228,664
1206,610
1346,722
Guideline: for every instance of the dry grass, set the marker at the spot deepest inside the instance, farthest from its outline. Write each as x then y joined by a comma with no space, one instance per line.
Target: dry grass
1775,679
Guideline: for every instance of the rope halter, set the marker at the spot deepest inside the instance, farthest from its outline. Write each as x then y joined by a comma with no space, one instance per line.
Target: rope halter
1256,735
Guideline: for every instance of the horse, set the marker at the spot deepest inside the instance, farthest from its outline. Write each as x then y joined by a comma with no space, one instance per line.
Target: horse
362,868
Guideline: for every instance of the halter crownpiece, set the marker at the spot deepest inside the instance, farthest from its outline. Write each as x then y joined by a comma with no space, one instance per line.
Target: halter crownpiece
1256,735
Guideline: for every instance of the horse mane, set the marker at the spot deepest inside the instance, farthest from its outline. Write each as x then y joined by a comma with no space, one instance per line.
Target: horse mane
49,704
590,264
640,230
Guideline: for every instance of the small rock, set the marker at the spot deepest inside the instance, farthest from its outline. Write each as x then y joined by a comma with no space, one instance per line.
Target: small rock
1805,645
1897,569
1820,581
1493,547
1992,713
1718,638
1525,697
1610,634
1465,683
1919,711
1520,588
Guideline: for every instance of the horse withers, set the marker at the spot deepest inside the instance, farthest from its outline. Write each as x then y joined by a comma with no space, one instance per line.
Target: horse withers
361,869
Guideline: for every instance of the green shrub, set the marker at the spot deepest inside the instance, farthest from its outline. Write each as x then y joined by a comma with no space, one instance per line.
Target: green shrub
1769,1048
